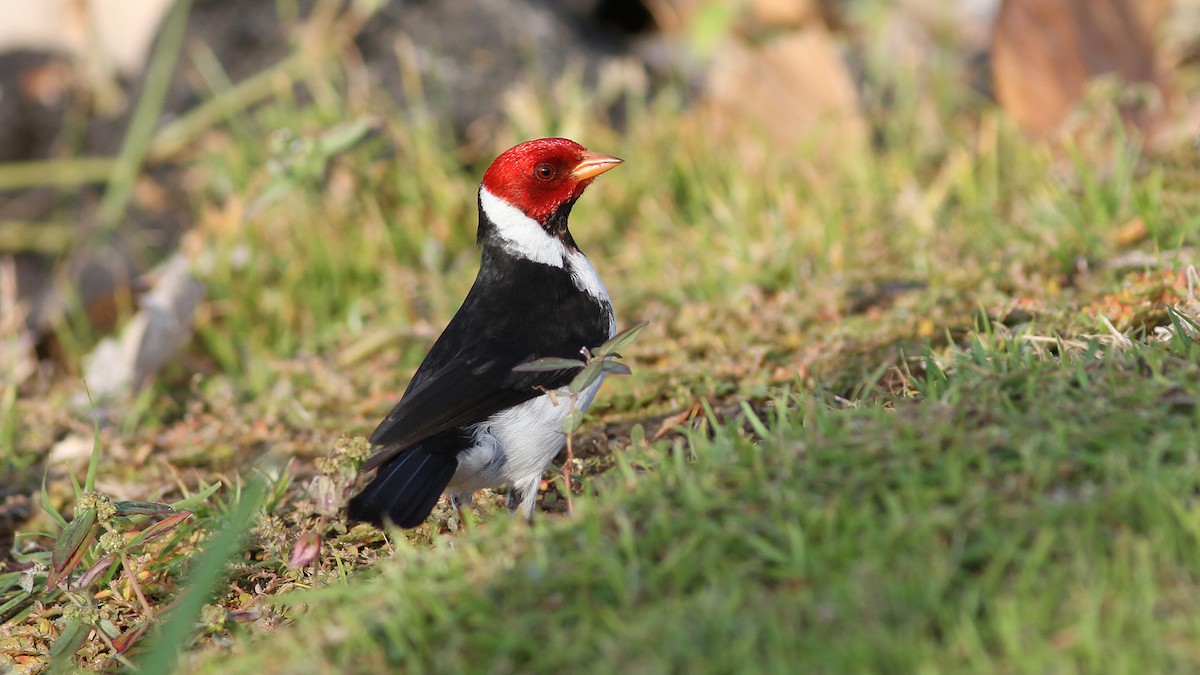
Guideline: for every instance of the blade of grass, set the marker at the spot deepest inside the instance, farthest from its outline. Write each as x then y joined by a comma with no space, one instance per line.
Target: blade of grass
45,237
89,483
8,421
270,81
145,117
62,652
48,506
203,581
173,137
55,172
197,499
72,546
620,340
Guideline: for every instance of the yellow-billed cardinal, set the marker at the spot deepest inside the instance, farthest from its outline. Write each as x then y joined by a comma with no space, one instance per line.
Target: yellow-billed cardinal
467,420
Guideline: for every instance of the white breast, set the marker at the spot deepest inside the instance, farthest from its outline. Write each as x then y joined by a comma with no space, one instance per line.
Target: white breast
522,235
518,444
584,275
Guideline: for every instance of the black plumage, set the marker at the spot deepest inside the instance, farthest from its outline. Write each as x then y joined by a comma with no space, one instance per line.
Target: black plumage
516,311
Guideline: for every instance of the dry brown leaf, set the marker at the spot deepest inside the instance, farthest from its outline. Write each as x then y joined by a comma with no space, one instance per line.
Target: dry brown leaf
670,423
162,325
1132,232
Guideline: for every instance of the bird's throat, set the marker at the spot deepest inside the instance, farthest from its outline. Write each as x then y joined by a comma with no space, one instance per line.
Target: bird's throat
503,224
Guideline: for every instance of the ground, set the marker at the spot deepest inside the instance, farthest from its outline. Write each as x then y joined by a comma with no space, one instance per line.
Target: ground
928,405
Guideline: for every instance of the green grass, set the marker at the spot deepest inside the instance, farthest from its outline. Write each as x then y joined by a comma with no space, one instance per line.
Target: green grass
928,451
1034,516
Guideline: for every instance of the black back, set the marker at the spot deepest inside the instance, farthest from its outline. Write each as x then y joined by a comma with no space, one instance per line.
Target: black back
516,311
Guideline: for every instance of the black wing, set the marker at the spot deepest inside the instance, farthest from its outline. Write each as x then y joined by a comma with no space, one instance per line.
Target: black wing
516,312
465,392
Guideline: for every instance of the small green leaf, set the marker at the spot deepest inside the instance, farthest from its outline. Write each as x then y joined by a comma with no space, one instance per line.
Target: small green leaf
159,529
124,641
89,577
616,342
69,640
9,580
345,136
637,435
572,421
71,546
615,367
586,377
547,363
12,604
127,508
196,499
107,627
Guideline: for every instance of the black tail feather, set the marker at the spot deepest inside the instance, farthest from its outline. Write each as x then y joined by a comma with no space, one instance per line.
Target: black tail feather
405,490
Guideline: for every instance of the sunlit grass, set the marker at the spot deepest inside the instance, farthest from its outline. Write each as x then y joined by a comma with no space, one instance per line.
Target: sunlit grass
1030,515
928,452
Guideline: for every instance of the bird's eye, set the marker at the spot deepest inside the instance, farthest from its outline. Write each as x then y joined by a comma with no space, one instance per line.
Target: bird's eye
544,171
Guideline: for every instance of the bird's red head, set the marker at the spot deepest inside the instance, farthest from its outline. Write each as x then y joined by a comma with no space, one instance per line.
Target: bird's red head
541,175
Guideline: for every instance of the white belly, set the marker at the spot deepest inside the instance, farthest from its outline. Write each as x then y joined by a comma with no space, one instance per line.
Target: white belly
517,444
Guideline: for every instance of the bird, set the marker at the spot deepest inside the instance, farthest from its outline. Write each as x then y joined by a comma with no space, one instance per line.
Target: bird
468,420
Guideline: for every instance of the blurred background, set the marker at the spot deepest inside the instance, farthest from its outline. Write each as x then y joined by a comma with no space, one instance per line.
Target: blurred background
215,185
95,193
229,230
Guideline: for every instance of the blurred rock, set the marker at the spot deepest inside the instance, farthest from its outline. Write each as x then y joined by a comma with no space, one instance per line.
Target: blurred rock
17,357
468,53
74,450
163,324
796,88
760,69
90,31
1045,53
34,86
